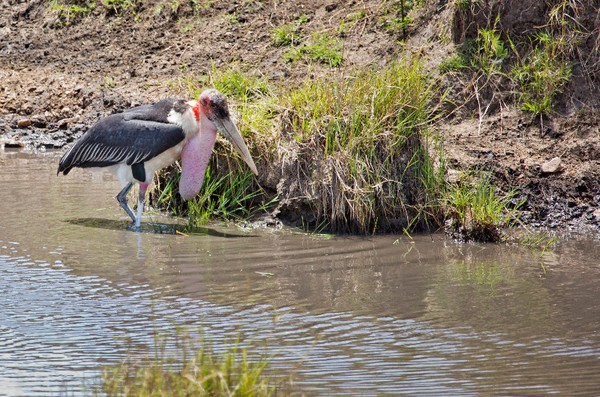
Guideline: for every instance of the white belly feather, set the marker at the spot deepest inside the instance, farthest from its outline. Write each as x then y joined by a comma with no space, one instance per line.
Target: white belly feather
168,157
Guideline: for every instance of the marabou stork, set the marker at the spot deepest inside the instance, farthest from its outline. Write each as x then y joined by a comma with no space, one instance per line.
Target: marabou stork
140,141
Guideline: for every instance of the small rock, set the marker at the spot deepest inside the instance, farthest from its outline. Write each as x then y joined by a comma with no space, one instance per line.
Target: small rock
64,123
38,121
24,123
552,166
26,108
453,176
11,143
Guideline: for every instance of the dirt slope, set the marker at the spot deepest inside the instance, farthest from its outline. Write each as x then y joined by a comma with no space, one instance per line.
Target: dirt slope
58,75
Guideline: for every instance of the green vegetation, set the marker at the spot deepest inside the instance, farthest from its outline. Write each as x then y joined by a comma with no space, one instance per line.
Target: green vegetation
350,21
367,154
175,5
319,48
491,51
396,19
465,5
476,211
232,196
364,135
302,19
188,371
354,17
455,63
121,6
186,28
286,35
536,64
110,82
240,84
71,11
350,113
362,138
232,19
484,54
541,74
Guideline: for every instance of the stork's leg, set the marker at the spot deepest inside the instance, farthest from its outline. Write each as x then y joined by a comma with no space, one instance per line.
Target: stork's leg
122,198
140,207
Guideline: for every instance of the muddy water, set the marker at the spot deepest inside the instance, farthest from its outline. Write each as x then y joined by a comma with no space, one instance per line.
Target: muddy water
345,316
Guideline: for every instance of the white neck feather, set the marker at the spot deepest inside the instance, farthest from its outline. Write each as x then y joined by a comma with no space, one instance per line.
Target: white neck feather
187,121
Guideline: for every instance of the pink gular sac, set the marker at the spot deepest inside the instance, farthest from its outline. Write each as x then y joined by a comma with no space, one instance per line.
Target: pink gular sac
194,160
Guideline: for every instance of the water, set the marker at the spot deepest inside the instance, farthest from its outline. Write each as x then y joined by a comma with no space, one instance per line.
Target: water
345,316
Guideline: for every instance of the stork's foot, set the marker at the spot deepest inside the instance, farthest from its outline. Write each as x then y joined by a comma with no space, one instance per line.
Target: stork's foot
140,205
122,199
134,228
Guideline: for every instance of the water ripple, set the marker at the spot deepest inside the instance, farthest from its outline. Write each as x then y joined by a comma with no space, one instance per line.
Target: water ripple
344,316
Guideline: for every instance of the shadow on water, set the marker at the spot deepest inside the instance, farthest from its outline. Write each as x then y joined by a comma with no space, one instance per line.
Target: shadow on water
152,227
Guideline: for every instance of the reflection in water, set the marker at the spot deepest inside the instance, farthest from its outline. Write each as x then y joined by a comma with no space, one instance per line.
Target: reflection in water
152,227
345,315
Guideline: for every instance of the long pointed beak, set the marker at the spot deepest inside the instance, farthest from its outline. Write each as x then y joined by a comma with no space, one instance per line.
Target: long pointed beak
231,132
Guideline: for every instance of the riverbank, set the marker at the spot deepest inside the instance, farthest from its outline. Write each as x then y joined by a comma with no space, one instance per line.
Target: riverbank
63,67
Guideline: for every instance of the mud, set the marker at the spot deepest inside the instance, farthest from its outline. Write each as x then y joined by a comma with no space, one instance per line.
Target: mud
59,75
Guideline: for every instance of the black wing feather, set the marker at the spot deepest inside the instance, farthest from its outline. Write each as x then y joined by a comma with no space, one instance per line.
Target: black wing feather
158,111
131,137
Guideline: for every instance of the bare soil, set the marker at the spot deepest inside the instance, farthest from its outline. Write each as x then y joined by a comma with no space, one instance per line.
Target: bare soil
58,76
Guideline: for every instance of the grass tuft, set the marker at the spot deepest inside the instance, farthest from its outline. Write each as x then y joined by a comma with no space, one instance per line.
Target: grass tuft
232,195
188,371
69,11
396,19
286,35
476,212
237,83
491,51
454,63
541,74
362,136
319,48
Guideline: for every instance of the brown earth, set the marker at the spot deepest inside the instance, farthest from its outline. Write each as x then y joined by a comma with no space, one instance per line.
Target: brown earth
59,75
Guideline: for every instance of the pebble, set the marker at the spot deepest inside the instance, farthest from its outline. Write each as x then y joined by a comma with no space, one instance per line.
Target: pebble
11,143
453,176
552,166
24,123
64,123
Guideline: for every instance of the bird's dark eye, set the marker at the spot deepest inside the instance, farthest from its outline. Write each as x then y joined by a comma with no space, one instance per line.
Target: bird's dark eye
221,111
